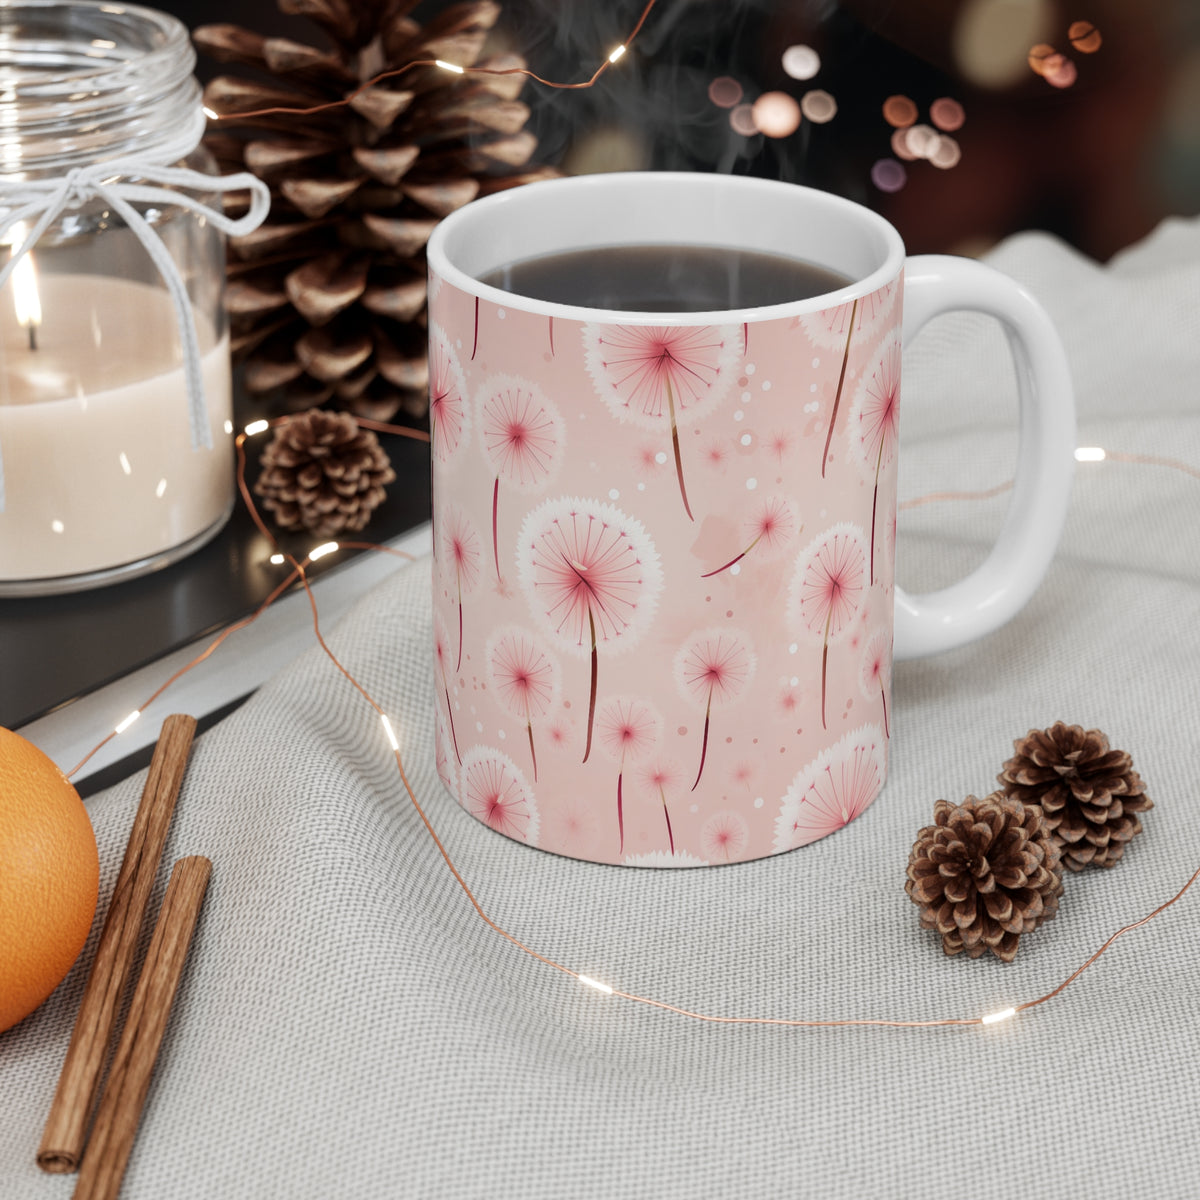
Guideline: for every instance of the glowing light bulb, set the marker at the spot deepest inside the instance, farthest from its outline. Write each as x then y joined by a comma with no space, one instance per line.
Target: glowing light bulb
320,551
612,58
129,720
1002,1015
259,426
1090,454
449,66
588,981
391,733
275,559
208,112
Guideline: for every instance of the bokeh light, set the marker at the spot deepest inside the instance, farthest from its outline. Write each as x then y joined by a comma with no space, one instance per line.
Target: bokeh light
1038,55
946,153
724,91
741,117
900,145
947,114
818,106
899,111
1059,71
888,175
1085,37
921,140
801,62
991,38
776,114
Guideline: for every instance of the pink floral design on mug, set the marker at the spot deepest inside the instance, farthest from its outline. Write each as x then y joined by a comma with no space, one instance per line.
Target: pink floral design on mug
698,510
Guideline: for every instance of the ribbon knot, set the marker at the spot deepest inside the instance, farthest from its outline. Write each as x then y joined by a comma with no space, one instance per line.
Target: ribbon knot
122,183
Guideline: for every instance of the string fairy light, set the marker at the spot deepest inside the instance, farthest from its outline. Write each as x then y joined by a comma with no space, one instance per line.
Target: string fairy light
614,56
299,573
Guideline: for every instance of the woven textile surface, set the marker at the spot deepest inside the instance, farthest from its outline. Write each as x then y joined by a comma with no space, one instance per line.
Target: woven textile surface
348,1026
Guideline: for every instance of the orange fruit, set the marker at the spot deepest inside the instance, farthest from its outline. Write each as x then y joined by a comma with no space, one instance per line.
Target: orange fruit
49,877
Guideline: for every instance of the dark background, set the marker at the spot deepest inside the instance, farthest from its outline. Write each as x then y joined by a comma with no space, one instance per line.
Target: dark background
1099,162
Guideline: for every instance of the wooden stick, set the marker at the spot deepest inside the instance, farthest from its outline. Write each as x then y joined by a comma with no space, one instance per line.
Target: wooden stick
129,1079
66,1126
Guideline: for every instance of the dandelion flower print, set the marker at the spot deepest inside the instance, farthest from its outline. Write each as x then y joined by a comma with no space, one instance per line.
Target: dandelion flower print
494,790
833,789
449,414
661,777
827,588
441,657
835,328
876,423
591,576
724,837
524,678
460,554
767,531
445,766
713,669
662,376
628,729
523,438
875,674
656,858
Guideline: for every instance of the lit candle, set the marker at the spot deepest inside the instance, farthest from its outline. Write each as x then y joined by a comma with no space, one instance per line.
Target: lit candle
99,467
26,299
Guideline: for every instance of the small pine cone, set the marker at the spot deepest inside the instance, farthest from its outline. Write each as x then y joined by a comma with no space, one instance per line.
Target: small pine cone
1089,793
322,473
985,872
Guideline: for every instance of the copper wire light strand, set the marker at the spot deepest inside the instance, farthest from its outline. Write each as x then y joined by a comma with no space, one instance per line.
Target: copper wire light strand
433,62
634,997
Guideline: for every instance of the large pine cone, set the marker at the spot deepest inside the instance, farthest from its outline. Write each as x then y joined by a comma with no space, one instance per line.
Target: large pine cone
1089,793
327,298
322,473
984,873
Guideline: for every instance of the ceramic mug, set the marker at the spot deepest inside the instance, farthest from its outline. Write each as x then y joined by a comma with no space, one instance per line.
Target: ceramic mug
664,598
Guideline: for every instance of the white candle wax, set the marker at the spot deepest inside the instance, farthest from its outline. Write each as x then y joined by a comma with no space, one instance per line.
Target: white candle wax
94,432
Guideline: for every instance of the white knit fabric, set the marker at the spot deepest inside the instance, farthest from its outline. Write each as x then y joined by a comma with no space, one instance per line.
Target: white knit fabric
347,1026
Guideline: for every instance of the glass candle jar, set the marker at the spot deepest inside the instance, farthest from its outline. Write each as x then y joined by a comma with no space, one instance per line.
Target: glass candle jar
115,435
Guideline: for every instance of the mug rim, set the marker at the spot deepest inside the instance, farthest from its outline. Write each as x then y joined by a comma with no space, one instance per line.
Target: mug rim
438,255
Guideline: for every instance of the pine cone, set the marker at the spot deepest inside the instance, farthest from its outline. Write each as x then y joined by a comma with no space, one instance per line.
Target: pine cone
1090,794
985,872
327,298
323,474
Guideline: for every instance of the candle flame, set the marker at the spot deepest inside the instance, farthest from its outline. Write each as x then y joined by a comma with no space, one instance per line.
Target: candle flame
26,299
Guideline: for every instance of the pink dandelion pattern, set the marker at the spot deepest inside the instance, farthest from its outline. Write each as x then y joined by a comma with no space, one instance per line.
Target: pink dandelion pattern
768,530
445,766
441,658
835,328
876,423
449,414
495,792
522,437
724,836
628,730
656,375
461,553
833,789
827,589
662,777
875,674
525,679
592,576
713,669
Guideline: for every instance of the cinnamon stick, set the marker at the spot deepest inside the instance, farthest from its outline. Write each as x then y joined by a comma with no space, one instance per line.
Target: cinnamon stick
66,1126
128,1083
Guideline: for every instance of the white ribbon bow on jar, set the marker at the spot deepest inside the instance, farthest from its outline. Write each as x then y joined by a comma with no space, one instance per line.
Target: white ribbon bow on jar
122,183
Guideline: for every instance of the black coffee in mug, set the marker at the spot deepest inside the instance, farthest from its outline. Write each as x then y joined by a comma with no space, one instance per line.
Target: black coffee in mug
665,278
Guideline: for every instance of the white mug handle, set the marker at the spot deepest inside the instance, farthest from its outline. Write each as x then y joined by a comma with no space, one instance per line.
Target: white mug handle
994,592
